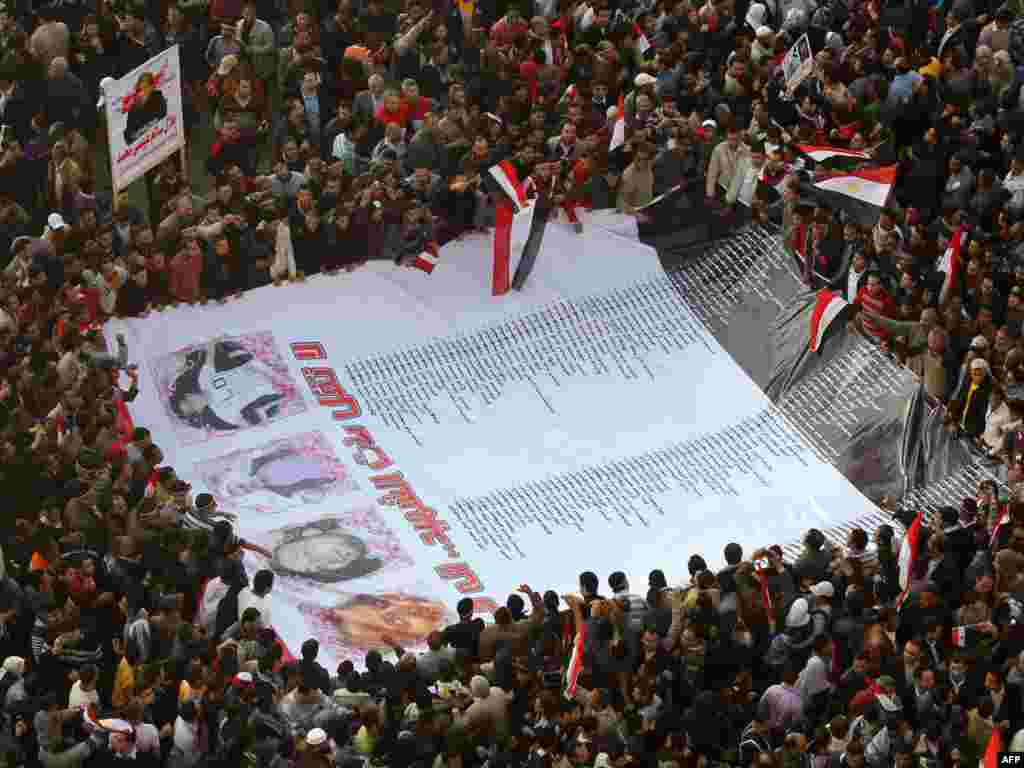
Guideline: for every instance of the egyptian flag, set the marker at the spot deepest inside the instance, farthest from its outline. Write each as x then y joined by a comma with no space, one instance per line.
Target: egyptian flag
643,45
151,483
950,263
829,305
965,636
862,193
519,229
572,672
1004,520
619,126
908,556
427,260
510,200
995,746
766,595
532,222
826,158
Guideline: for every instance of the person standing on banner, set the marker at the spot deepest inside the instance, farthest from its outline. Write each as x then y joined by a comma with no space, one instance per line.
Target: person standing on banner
636,188
722,166
743,187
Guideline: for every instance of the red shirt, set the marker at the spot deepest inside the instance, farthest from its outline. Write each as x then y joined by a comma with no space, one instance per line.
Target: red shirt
399,116
418,110
882,305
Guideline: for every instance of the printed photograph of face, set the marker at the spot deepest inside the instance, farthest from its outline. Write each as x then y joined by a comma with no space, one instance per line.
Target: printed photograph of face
226,385
330,552
361,622
281,475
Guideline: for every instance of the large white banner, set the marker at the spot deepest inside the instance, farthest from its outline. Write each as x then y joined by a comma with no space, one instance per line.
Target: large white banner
392,441
145,124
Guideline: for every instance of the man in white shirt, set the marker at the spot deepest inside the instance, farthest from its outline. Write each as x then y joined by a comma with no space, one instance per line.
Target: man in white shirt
813,683
258,596
722,166
858,269
83,692
749,168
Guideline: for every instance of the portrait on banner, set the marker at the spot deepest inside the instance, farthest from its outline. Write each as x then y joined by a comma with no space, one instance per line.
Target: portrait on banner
226,385
280,476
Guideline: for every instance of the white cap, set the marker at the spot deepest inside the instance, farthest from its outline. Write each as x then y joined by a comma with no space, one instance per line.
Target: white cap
763,31
644,79
55,221
603,761
709,124
316,737
823,589
979,364
105,83
799,615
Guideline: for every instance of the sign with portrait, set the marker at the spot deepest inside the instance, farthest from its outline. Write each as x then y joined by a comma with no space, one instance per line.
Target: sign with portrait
145,123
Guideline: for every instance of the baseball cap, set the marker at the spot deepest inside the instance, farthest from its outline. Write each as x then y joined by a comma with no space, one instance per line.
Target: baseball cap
242,680
979,364
55,221
799,614
644,79
316,737
823,589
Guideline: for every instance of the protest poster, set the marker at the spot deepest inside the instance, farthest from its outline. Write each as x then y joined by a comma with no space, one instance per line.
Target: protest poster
145,123
798,64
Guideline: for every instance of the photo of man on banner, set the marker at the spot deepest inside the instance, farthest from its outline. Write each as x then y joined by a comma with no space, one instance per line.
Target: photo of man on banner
148,107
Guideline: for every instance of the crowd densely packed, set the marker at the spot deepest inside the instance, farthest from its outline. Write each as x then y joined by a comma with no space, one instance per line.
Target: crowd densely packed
129,629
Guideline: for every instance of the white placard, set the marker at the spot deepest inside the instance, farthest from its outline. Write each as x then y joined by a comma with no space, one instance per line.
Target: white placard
145,122
798,64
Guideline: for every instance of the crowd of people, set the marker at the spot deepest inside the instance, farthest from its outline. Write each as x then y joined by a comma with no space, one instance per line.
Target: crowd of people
364,130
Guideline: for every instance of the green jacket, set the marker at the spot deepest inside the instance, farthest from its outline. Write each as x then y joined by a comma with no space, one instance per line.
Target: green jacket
258,44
